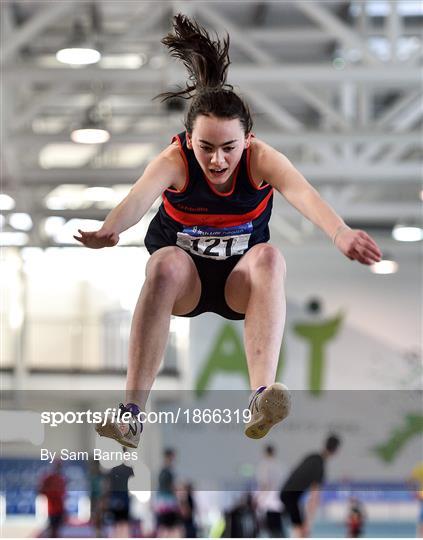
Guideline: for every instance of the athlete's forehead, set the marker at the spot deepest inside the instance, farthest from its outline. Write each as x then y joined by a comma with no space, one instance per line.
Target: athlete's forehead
217,131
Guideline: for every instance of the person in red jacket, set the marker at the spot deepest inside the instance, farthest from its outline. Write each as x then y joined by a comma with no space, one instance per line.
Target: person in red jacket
355,519
53,486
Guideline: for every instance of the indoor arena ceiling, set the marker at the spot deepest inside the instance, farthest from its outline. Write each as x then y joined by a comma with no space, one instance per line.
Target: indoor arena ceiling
335,85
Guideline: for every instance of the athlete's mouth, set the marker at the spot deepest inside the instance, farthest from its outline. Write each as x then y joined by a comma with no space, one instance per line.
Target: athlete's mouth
218,171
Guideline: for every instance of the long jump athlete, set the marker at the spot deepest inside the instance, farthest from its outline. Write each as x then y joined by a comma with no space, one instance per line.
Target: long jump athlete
209,239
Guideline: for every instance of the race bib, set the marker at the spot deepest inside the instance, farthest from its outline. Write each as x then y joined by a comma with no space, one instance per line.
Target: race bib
215,243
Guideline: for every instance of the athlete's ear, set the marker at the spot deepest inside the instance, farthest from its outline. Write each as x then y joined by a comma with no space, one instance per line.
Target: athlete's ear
247,141
189,141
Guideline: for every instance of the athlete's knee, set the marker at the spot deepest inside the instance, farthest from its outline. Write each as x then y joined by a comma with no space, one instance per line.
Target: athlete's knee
168,267
270,260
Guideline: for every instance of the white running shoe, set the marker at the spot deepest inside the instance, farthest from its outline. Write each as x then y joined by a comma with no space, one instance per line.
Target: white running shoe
269,406
125,433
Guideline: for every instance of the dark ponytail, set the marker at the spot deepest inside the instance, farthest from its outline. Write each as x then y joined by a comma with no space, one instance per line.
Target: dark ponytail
207,62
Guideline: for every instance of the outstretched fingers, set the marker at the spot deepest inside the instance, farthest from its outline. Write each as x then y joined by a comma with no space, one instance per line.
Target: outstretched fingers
365,254
368,243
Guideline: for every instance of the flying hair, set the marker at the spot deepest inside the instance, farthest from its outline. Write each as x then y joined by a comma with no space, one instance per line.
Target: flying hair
205,59
207,62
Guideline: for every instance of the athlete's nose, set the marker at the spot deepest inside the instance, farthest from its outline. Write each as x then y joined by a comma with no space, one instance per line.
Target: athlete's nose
217,159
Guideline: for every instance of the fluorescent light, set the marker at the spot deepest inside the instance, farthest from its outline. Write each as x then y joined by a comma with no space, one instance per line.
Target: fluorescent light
385,266
90,136
65,155
52,224
78,56
123,61
67,197
99,194
381,8
6,202
55,203
13,238
407,233
21,221
64,235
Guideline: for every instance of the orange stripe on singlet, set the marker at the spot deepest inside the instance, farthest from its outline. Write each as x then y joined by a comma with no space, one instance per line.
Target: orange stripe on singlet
214,220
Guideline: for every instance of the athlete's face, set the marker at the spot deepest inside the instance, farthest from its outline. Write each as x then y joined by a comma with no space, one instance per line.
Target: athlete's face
218,144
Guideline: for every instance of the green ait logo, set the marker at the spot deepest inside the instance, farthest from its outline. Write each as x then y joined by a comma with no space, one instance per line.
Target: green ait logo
318,335
411,427
228,356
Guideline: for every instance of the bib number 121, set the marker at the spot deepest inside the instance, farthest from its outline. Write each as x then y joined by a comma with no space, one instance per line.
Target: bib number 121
213,243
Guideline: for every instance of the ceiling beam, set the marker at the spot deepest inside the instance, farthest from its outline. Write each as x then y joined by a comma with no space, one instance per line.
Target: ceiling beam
275,113
271,136
318,103
344,172
396,76
47,97
398,119
23,35
393,28
335,27
237,35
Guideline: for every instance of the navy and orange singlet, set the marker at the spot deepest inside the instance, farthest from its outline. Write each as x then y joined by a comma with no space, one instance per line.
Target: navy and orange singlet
215,228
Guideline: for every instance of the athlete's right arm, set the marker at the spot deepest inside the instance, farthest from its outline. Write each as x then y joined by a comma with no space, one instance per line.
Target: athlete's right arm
163,172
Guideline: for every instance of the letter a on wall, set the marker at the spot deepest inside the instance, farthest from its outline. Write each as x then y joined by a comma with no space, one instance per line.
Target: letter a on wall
227,356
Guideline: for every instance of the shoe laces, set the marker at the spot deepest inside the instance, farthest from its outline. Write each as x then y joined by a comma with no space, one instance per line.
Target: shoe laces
123,408
253,405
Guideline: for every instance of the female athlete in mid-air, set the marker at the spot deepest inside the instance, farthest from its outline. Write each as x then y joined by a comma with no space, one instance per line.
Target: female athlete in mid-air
209,239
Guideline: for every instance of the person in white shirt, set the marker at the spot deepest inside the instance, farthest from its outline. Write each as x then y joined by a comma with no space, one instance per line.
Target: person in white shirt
270,476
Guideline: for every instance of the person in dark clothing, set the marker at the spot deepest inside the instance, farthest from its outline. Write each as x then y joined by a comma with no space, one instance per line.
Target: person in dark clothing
53,486
119,498
167,507
97,496
187,509
241,519
308,475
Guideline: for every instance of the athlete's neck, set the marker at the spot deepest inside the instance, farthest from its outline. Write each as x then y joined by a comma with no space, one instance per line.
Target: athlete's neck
226,187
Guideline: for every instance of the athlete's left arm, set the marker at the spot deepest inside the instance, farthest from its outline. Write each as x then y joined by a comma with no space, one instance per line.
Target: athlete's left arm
280,173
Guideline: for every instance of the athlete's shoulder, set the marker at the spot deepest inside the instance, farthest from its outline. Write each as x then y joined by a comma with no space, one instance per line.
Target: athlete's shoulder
172,153
260,150
174,164
265,159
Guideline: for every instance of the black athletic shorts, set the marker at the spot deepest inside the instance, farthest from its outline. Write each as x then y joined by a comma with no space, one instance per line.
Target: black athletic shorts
291,501
162,232
213,275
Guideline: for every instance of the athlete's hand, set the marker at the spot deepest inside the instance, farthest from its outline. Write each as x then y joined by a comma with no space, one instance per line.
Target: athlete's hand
97,239
358,246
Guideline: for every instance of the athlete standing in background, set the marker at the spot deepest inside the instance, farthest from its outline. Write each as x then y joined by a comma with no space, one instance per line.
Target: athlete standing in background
208,240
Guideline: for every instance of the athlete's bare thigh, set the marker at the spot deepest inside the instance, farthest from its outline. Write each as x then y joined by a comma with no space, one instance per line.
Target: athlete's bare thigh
174,265
238,284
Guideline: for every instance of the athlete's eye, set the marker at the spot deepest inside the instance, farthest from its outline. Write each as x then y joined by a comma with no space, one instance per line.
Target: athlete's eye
229,148
206,148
